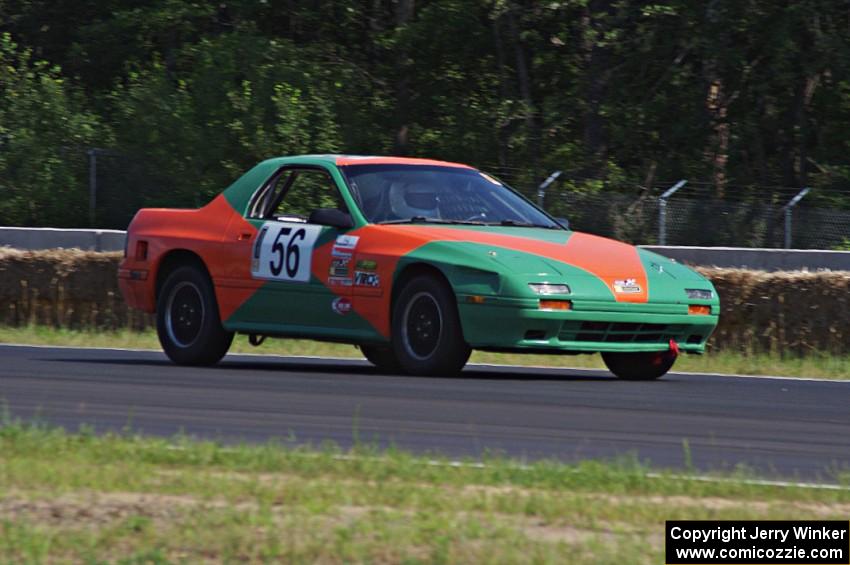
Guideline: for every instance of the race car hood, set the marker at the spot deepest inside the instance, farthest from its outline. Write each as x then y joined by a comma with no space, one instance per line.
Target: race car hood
593,266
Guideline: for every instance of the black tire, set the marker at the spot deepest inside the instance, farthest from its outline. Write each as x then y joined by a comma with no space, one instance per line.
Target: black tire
381,357
426,332
639,366
187,319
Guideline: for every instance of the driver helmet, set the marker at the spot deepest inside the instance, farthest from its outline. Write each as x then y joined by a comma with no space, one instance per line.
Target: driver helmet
413,199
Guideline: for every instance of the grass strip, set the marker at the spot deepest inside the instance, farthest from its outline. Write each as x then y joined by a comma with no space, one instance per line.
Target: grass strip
812,366
128,498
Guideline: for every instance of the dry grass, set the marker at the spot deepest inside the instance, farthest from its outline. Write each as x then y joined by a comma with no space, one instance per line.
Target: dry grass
794,312
88,498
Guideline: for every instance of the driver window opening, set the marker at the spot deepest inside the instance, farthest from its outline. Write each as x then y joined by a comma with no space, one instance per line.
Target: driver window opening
294,194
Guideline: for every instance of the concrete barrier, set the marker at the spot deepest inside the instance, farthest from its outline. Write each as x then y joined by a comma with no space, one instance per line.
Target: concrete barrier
758,259
55,238
727,257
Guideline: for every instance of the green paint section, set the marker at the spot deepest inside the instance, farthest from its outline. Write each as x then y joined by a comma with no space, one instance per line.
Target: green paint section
472,269
239,193
299,309
668,281
511,308
514,327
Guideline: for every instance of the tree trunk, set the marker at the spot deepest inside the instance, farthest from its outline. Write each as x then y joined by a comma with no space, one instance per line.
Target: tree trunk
717,151
502,125
404,10
597,62
523,74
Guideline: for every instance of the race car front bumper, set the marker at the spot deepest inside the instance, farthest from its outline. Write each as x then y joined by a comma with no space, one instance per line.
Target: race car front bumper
519,324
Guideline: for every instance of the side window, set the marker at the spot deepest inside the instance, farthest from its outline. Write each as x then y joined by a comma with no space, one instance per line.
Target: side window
295,193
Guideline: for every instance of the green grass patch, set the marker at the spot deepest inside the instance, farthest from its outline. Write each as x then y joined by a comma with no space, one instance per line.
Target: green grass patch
128,498
812,366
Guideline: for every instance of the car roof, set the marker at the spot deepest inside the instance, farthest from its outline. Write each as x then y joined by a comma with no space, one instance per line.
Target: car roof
346,160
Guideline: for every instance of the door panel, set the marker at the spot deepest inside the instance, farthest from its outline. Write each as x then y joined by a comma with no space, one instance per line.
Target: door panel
305,270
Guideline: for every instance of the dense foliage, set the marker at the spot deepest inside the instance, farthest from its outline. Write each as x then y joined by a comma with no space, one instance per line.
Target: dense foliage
736,93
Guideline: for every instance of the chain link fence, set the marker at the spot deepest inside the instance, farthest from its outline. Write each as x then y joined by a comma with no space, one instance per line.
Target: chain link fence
699,218
694,215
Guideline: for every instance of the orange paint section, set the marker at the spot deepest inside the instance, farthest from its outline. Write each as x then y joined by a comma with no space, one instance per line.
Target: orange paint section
208,232
384,245
610,261
606,259
346,160
231,267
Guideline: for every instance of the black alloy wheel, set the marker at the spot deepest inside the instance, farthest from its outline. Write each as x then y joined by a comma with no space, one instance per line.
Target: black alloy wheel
187,319
427,337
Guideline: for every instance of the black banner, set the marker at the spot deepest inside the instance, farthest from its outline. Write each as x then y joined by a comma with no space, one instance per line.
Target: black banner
806,542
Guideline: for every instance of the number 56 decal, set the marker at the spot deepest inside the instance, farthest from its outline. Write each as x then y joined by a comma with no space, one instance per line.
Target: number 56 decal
284,251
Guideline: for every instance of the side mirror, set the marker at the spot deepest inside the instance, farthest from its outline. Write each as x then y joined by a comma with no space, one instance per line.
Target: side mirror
330,217
565,223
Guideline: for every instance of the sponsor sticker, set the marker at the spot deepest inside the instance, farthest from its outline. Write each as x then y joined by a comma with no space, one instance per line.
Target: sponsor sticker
340,281
341,305
366,265
626,286
339,267
347,241
365,278
341,253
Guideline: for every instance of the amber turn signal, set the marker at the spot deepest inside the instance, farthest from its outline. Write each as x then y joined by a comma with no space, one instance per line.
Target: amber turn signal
475,299
699,309
556,305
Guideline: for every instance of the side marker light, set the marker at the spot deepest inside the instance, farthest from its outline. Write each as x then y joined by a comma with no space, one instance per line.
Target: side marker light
556,305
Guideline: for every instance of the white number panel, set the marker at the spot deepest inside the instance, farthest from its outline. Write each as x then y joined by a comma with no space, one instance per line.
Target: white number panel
284,251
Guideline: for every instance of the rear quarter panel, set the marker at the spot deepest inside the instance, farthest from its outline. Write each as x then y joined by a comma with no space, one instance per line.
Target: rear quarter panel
199,231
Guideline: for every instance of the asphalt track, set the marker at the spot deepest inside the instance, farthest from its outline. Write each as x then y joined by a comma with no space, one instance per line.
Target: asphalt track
779,427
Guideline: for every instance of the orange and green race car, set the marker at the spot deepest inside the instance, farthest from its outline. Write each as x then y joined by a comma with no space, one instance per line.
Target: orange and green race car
415,261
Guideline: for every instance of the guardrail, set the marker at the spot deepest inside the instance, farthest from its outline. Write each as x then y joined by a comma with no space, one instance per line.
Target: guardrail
740,257
53,238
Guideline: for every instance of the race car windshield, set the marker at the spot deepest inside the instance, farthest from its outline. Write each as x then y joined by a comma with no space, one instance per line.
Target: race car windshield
394,194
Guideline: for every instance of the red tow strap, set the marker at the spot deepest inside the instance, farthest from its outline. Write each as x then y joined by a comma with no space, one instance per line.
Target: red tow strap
674,347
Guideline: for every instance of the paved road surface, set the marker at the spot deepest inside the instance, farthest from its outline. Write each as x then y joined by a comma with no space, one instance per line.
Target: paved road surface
781,427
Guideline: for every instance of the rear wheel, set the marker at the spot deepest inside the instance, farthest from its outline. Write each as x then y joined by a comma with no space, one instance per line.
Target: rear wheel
640,366
426,332
187,319
381,357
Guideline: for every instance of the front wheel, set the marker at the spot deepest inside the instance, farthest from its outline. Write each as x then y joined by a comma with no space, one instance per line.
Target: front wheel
426,332
639,366
187,319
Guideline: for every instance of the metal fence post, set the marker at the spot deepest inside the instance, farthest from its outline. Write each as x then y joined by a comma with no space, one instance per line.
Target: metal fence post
787,208
662,210
541,190
92,185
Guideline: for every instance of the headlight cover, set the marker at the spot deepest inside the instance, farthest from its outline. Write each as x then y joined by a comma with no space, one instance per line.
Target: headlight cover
699,294
549,288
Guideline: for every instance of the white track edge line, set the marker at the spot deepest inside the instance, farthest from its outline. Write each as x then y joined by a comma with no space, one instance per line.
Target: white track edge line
649,475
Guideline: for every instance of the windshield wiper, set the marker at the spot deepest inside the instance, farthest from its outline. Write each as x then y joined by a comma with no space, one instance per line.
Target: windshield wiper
514,223
424,220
